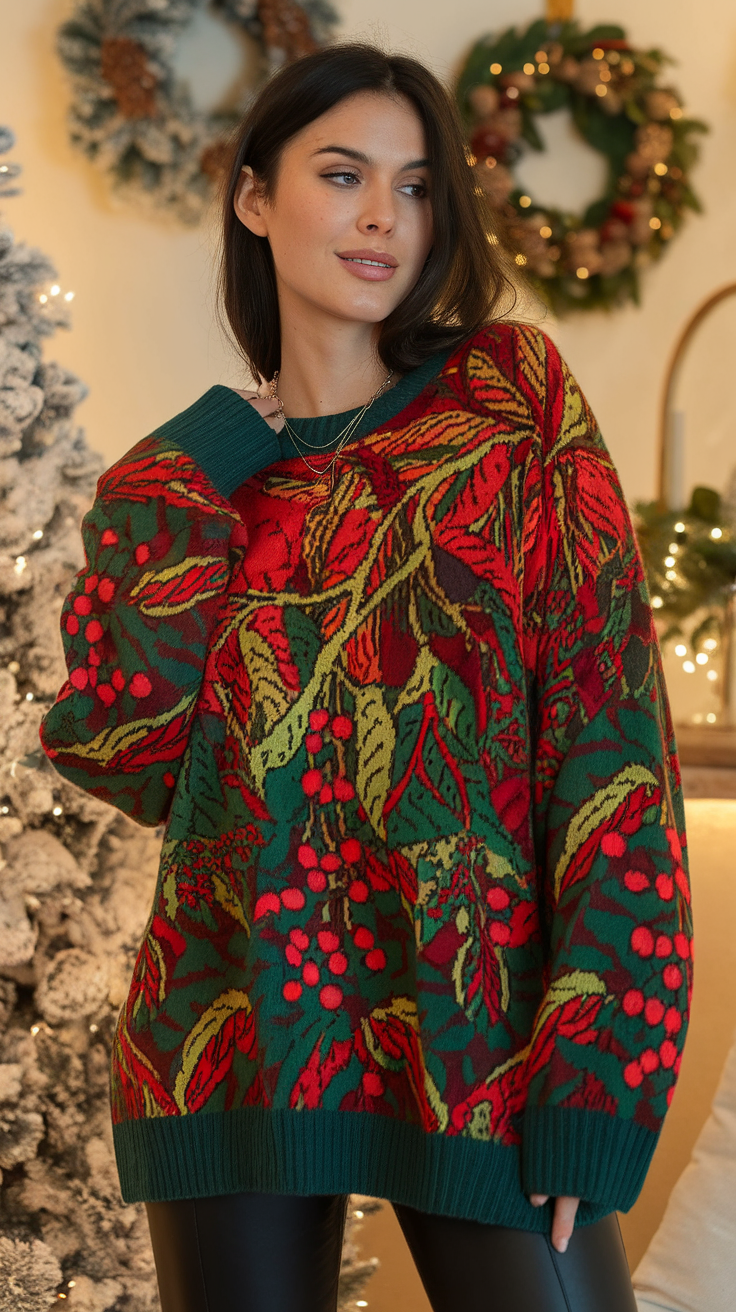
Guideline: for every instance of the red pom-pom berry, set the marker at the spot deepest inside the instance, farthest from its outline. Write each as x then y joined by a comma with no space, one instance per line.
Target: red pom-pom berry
140,685
330,996
633,1002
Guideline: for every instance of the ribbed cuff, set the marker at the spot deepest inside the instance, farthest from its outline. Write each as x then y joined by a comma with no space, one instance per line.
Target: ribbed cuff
228,439
568,1151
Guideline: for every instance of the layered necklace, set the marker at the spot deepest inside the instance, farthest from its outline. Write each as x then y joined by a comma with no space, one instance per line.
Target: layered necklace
301,445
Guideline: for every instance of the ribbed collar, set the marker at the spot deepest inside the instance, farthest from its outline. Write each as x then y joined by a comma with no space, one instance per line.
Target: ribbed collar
231,442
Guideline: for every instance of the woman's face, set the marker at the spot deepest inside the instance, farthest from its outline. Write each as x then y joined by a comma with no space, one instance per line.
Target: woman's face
350,220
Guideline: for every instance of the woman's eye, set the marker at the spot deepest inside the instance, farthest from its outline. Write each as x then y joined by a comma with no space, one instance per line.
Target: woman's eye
416,189
352,177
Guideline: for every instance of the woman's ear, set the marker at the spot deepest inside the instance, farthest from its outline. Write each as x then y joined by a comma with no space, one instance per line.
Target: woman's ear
248,205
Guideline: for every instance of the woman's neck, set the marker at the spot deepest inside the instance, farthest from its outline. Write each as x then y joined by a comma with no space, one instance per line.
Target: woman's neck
327,366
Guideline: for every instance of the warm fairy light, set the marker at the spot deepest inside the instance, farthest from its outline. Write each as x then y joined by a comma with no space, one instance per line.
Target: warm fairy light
525,201
541,56
520,259
688,667
657,602
711,718
35,1029
582,272
712,675
601,90
702,658
680,649
361,1302
4,810
674,547
20,564
544,67
43,298
57,811
512,93
529,69
671,575
37,534
679,527
716,533
676,112
660,169
598,53
29,696
496,69
710,644
359,1215
93,1028
71,1284
669,561
655,222
545,231
491,161
68,296
55,289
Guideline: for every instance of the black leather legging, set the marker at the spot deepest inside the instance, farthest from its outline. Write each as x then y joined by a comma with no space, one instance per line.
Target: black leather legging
281,1253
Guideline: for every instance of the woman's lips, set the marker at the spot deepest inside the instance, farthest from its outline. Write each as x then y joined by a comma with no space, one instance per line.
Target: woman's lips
370,267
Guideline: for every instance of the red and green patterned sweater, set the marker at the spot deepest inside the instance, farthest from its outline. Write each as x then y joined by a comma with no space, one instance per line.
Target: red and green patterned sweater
422,924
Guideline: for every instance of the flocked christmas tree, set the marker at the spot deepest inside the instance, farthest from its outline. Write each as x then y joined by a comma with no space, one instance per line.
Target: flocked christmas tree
76,877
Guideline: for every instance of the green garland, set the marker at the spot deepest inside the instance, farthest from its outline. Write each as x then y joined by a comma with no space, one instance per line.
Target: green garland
591,260
136,120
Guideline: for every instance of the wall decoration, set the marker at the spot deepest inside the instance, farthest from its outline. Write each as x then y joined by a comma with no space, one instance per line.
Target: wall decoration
135,119
619,105
76,876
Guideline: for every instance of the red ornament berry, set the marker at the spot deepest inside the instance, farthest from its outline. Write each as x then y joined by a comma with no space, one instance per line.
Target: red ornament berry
327,940
649,1061
372,1084
682,946
292,990
313,742
93,657
633,1002
682,883
672,1020
325,794
293,899
668,1053
375,959
106,590
318,720
82,605
343,789
351,851
653,1011
312,782
363,937
140,685
106,693
90,583
169,779
293,955
141,553
663,946
78,678
672,976
337,963
118,678
636,881
330,862
612,845
72,624
500,932
299,939
342,727
497,899
665,887
307,856
265,903
633,1074
642,941
93,674
358,891
330,996
310,973
109,538
317,881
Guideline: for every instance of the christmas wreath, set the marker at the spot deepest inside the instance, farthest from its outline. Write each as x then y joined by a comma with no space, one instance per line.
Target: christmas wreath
136,120
590,260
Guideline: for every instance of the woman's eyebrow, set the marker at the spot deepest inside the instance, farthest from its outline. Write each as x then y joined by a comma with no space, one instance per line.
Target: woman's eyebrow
360,158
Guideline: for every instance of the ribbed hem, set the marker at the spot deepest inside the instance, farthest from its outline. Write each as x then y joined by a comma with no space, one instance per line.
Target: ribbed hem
225,435
327,1152
585,1154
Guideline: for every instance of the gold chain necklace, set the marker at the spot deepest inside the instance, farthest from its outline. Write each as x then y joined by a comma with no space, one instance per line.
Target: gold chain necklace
342,438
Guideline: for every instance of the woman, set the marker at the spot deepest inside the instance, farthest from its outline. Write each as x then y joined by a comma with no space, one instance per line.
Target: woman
375,644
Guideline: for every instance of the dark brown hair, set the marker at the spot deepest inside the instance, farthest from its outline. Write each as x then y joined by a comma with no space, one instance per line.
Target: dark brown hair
463,283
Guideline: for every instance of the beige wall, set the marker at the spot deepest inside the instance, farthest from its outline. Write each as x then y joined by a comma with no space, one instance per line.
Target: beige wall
144,337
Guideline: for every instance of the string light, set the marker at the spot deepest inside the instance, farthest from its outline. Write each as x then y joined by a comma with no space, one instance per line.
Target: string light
676,112
674,547
601,90
20,564
43,298
541,56
55,289
702,658
669,561
671,575
496,69
582,272
68,296
716,533
58,810
525,201
359,1215
711,718
37,535
529,69
710,644
599,53
679,527
545,231
712,675
688,667
543,67
660,169
657,602
655,222
4,810
35,1029
680,649
29,696
512,93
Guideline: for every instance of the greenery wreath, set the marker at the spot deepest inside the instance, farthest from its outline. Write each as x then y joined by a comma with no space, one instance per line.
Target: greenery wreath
136,120
590,260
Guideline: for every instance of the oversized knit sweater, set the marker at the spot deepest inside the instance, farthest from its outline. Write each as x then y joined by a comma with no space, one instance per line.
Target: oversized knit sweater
422,923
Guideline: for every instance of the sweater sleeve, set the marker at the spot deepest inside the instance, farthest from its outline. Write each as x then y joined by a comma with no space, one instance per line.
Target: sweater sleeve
159,546
608,828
